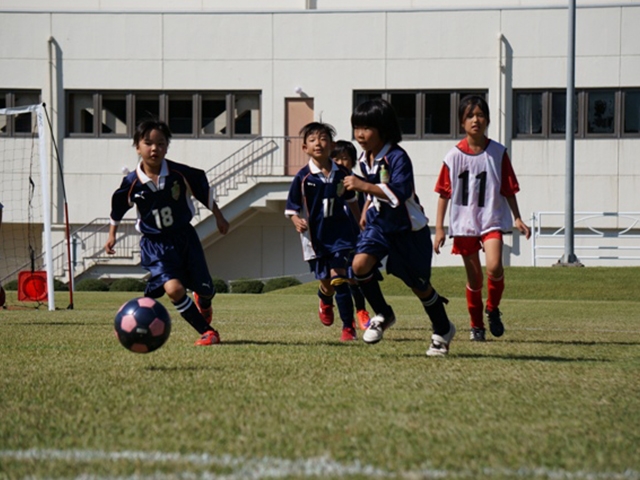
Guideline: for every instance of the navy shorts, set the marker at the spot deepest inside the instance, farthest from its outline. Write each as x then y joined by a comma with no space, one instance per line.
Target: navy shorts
409,253
177,256
321,267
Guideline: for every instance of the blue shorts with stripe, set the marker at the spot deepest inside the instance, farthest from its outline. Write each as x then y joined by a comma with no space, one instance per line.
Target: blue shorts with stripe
321,267
176,256
409,253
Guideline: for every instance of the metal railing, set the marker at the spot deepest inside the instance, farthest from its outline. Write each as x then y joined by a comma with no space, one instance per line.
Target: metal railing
622,241
263,156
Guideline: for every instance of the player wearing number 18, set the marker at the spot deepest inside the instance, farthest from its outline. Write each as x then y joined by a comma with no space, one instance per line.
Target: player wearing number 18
170,249
478,179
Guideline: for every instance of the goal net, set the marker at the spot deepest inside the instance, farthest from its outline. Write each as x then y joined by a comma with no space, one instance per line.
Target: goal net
25,233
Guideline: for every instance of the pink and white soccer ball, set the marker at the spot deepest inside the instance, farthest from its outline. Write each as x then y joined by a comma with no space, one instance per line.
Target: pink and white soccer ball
142,325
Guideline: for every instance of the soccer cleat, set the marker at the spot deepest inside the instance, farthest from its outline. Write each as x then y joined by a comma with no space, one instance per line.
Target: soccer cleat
495,323
440,343
377,326
363,319
210,337
207,313
348,334
477,334
325,312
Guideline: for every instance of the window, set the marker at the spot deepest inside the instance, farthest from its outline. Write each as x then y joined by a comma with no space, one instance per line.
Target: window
23,124
423,114
113,114
631,112
188,114
597,113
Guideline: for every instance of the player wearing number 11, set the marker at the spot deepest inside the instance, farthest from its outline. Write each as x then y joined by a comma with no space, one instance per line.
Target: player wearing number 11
170,249
478,179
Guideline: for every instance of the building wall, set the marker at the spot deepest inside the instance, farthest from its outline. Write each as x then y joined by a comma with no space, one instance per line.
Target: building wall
329,49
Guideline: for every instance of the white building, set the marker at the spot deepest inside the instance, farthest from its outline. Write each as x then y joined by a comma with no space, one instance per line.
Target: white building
234,79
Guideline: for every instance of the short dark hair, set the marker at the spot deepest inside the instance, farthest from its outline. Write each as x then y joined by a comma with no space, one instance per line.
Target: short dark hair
469,103
343,147
317,127
146,126
381,115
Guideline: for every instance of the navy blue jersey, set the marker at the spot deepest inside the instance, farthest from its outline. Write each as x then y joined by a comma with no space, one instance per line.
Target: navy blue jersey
165,208
392,171
321,201
361,198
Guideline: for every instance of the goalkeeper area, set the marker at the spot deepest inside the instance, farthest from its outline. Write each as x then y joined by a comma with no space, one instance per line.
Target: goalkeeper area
26,255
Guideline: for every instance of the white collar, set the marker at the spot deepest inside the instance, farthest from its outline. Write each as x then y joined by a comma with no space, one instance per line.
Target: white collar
144,178
313,168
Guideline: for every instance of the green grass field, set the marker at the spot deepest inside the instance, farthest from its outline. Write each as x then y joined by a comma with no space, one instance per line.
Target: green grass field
557,397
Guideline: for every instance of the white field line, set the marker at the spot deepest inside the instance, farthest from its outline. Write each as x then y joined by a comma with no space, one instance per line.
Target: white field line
268,467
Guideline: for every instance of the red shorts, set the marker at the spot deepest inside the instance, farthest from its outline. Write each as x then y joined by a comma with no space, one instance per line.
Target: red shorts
469,245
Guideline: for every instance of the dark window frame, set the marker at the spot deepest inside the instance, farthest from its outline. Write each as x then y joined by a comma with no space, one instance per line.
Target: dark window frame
164,99
455,129
9,97
582,116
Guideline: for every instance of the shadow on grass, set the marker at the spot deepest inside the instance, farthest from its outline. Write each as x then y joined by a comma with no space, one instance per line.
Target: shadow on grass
183,368
528,358
534,358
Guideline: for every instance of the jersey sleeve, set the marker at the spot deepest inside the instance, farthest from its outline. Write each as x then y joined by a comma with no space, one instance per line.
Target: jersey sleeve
509,183
443,184
294,199
198,183
400,187
120,200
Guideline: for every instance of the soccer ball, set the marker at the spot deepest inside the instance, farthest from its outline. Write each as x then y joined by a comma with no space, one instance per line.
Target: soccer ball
142,325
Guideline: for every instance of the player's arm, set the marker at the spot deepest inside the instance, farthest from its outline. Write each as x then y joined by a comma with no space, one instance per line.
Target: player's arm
517,219
294,205
440,236
111,240
120,204
223,224
443,188
352,182
354,206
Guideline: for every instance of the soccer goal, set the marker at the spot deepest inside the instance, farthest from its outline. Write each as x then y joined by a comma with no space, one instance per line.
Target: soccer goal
26,258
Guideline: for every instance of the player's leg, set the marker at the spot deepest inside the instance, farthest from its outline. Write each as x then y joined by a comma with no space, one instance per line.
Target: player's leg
410,260
189,311
344,302
362,315
473,268
199,281
322,271
495,281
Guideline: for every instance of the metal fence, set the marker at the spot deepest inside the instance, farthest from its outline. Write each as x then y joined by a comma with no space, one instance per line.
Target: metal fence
599,236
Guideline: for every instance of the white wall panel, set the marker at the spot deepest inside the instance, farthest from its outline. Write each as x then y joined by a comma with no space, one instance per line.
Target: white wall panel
217,75
24,36
412,35
329,37
594,37
108,36
629,31
113,74
22,73
217,37
536,33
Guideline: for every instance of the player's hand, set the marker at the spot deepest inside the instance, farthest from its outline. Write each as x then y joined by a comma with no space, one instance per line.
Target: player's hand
223,225
439,239
523,228
108,247
353,183
300,224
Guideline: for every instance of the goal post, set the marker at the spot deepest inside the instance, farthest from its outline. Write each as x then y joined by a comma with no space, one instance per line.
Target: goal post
26,197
